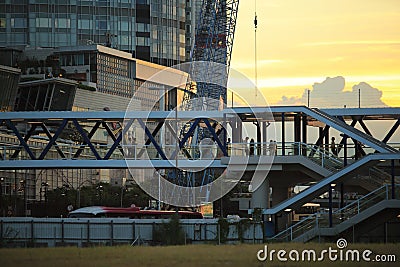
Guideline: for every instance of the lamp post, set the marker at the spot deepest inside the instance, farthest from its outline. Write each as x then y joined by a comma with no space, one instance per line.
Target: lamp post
1,196
100,189
44,185
331,187
122,195
22,184
15,193
123,188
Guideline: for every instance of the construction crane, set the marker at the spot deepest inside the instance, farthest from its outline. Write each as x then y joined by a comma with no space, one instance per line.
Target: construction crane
213,43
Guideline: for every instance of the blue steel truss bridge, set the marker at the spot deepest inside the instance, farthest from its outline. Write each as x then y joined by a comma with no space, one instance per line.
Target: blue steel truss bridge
303,155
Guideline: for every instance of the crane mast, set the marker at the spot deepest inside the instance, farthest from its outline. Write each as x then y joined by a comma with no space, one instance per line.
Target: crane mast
214,36
213,43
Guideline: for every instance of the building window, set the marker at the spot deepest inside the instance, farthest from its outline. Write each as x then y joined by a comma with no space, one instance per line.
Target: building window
142,41
43,22
84,24
102,25
62,23
2,22
18,23
142,27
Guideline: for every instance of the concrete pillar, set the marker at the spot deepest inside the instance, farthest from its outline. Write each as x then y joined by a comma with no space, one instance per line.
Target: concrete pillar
236,126
258,148
297,128
260,197
297,134
282,220
304,134
264,138
283,134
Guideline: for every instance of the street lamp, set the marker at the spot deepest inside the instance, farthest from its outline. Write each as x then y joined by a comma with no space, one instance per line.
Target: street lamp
100,189
44,185
1,196
23,189
125,187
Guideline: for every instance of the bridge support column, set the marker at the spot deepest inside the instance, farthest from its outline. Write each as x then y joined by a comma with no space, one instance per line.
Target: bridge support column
236,126
264,137
304,134
297,133
282,220
283,134
260,197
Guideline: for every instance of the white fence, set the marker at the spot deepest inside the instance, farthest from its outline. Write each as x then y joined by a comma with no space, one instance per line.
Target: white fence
51,232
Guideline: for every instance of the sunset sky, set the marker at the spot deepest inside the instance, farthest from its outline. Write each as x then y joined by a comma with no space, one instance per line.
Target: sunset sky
303,42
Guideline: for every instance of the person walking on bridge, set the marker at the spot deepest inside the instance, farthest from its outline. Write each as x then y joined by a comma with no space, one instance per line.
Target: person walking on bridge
333,146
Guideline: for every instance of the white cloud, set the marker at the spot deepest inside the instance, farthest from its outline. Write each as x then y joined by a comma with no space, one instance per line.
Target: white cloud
331,93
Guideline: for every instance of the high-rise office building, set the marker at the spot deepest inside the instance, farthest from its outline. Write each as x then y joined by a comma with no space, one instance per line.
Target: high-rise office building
152,30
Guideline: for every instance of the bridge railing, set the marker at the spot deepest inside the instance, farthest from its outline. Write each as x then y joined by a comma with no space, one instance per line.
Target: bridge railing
139,151
321,219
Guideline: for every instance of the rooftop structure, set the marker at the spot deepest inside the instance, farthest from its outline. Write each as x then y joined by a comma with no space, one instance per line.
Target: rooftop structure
9,78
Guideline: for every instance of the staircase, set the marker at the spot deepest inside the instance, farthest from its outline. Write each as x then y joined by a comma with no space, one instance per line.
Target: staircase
373,180
321,156
342,219
322,186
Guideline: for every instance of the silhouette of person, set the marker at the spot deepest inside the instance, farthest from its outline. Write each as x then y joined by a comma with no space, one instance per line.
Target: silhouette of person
333,146
271,147
252,147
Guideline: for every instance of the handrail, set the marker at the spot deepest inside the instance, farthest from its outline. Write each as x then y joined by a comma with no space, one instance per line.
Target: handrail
320,187
316,220
239,149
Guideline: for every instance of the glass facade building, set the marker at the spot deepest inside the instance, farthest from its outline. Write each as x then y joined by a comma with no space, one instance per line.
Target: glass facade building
152,30
117,73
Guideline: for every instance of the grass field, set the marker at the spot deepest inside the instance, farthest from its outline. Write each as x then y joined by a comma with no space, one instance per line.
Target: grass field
192,255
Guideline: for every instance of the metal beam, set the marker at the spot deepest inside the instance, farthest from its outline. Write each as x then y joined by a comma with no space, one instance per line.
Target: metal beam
21,140
120,115
26,138
86,139
185,138
361,122
118,140
320,140
212,130
344,139
154,133
53,139
107,164
112,135
90,135
153,141
392,131
48,134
